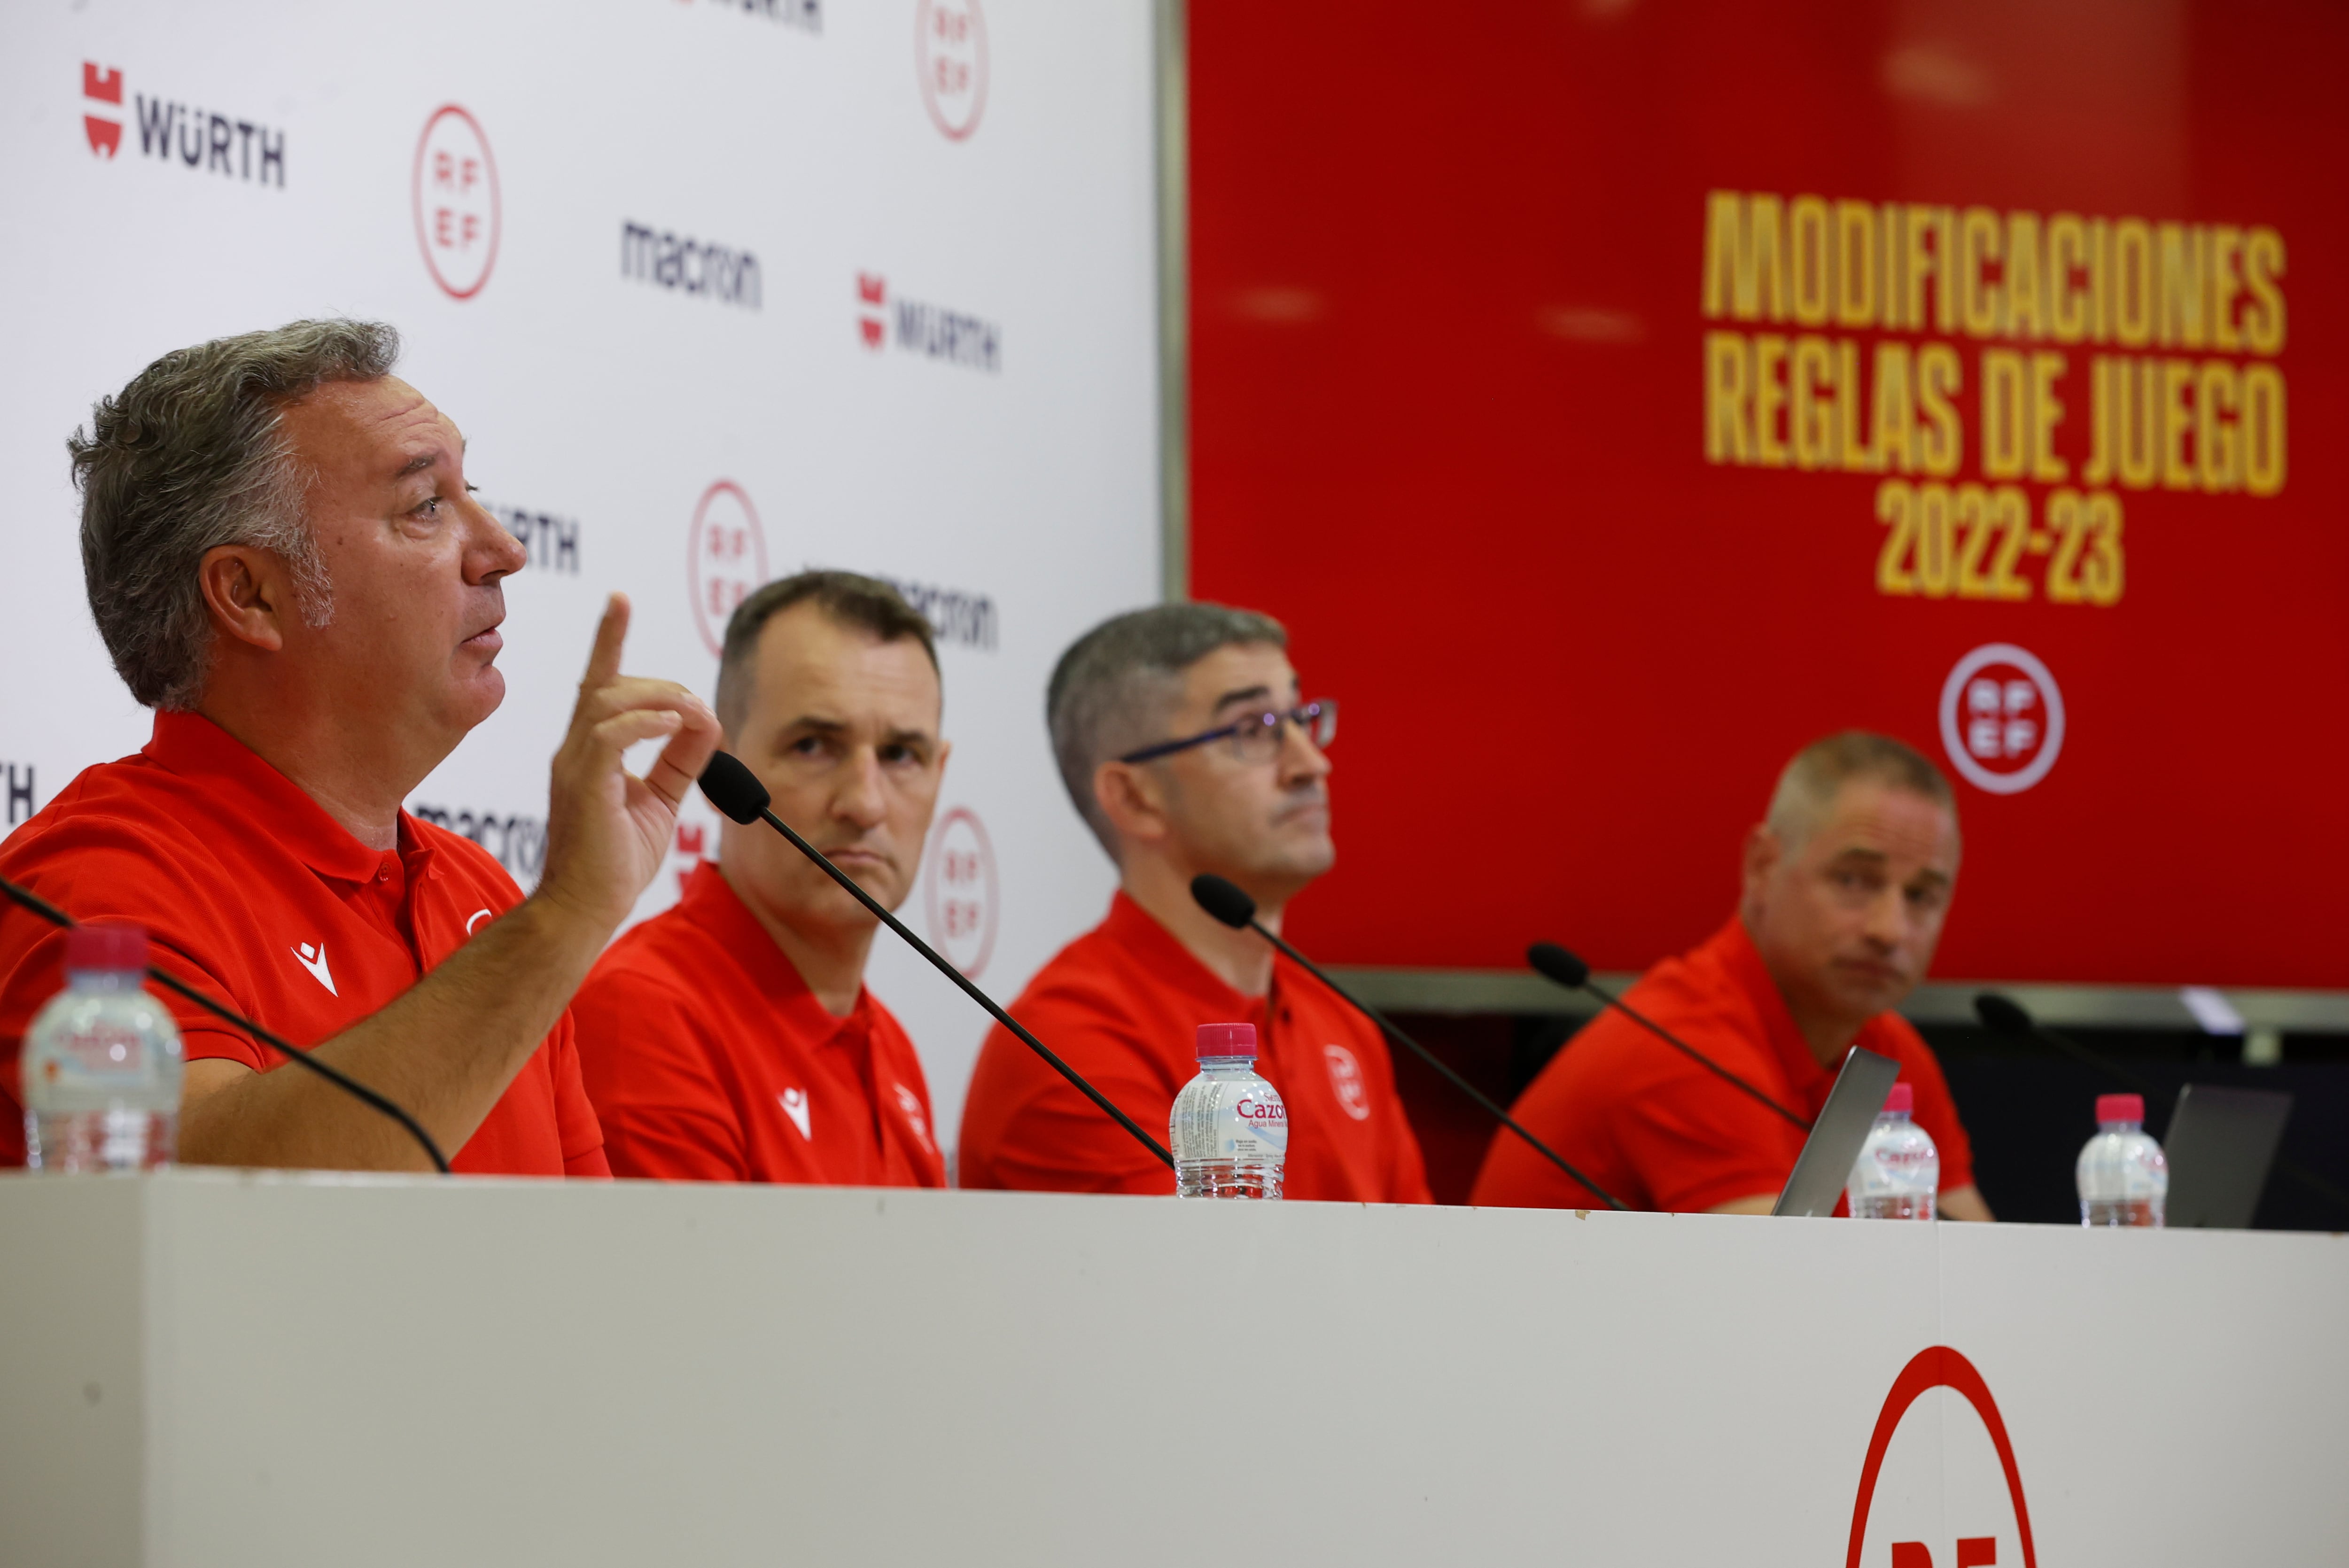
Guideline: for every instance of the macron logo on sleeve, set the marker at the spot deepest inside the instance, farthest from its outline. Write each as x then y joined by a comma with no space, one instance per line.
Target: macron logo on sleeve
795,1105
314,959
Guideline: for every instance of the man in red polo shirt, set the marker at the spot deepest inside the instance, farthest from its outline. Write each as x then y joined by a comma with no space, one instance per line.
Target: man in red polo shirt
284,559
1183,741
731,1038
1848,882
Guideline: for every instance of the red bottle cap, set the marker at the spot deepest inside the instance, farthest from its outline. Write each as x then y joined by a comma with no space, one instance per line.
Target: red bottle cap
1900,1096
107,949
2120,1108
1227,1040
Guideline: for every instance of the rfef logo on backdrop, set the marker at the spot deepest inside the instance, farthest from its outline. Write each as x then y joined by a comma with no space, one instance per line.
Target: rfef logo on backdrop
964,898
951,56
2001,718
1941,1367
726,558
199,138
455,194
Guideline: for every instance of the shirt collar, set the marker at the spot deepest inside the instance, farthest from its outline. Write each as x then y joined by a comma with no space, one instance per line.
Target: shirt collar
248,788
711,902
1161,956
1733,948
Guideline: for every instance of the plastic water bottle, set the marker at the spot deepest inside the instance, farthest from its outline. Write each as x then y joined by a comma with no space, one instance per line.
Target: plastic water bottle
1898,1171
101,1064
1230,1131
2123,1174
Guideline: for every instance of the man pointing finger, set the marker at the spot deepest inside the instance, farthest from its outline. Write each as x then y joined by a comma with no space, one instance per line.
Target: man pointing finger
285,561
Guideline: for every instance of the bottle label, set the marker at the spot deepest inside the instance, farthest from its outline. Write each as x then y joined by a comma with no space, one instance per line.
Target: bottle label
1252,1124
1889,1170
1240,1118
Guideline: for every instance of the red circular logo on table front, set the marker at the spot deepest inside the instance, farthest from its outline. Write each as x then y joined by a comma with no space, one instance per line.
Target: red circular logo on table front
1939,1366
726,558
455,193
2001,718
964,898
950,55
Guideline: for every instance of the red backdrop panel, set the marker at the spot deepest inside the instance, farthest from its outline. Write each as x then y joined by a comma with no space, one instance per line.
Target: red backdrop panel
1449,416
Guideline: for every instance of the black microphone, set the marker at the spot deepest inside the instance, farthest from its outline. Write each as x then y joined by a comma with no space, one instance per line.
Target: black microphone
2006,1016
1232,906
342,1080
1555,964
736,792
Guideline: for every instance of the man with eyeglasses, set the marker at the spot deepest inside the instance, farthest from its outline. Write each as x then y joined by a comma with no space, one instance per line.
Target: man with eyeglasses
1181,736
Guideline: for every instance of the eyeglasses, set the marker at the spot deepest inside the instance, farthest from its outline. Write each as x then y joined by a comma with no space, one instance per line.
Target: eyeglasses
1257,737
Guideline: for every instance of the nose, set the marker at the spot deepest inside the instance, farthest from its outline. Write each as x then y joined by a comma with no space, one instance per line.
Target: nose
492,552
1301,761
1886,924
859,800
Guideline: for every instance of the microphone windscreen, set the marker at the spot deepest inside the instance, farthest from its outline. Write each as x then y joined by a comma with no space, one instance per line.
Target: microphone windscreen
2001,1015
1223,900
1555,962
733,789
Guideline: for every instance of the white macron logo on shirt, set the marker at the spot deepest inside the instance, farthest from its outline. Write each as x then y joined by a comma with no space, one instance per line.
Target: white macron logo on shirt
795,1105
314,959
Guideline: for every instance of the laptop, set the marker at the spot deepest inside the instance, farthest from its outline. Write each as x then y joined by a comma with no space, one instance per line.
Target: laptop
1836,1137
2222,1143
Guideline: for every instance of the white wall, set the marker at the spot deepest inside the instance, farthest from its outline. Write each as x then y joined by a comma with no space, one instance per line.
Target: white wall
800,133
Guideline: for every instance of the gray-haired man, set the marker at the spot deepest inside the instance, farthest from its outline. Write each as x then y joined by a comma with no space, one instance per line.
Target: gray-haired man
285,561
1184,742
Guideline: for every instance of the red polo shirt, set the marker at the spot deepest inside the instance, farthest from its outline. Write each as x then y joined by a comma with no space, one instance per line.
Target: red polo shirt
709,1059
1659,1130
251,893
1122,1005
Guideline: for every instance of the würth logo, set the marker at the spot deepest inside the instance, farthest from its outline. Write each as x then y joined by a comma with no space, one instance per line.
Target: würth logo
685,263
931,330
101,87
455,194
199,138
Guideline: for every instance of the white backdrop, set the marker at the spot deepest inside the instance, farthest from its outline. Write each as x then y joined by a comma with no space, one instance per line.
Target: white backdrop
708,286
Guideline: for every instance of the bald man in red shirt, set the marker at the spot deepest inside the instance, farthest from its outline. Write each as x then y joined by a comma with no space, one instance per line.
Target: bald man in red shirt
731,1038
1183,742
285,561
1846,884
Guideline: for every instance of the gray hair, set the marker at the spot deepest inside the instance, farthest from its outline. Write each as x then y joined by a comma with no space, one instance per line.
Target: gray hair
1809,785
1117,687
192,456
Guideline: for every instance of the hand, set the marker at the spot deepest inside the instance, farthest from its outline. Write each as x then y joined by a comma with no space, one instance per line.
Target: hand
608,830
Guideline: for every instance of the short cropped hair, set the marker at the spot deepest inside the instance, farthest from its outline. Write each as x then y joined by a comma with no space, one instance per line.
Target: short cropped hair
1117,686
850,599
1809,785
192,456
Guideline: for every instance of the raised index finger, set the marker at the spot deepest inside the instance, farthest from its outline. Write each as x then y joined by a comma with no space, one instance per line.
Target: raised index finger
604,659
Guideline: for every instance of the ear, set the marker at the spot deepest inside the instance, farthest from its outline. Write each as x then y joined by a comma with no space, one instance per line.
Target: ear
1133,801
1763,852
249,593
